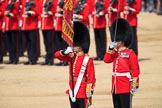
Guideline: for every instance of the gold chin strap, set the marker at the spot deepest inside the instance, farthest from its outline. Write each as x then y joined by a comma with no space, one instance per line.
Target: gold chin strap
79,53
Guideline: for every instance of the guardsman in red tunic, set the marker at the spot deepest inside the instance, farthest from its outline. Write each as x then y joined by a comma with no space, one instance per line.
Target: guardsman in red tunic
90,4
82,73
99,25
130,12
11,29
21,38
59,42
47,26
81,12
126,69
30,12
114,9
2,9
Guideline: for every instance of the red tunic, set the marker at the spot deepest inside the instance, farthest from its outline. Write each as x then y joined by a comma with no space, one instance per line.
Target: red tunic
85,14
99,21
58,23
58,18
89,72
47,23
123,61
11,23
2,9
132,18
112,16
90,4
31,22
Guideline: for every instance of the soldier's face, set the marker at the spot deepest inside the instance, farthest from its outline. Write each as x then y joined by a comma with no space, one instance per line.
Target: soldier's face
120,44
77,49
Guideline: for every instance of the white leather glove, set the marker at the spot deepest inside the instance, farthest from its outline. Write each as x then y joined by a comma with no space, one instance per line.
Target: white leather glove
20,23
39,24
68,50
101,13
58,15
112,45
111,9
31,12
76,16
88,95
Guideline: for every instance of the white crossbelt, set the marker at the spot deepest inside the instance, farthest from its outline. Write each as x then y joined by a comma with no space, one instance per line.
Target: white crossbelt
79,80
127,74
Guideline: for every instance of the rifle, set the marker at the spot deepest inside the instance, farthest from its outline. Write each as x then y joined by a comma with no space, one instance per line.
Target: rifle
61,4
112,2
79,7
128,7
47,5
130,2
11,5
29,5
99,6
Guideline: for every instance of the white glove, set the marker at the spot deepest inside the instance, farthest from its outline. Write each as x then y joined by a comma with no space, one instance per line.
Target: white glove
44,15
112,45
111,9
31,12
76,16
68,50
101,13
24,15
39,24
20,23
88,95
93,12
11,14
50,13
58,15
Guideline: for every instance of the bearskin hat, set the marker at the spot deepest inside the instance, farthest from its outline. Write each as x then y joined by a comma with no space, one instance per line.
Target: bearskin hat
121,31
81,36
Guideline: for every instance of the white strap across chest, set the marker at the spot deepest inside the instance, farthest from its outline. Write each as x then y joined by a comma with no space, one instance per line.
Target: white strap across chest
79,80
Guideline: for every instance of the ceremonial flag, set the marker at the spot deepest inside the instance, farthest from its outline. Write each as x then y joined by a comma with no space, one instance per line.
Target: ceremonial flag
67,25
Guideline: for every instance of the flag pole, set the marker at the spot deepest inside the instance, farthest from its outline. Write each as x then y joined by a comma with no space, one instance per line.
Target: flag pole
68,32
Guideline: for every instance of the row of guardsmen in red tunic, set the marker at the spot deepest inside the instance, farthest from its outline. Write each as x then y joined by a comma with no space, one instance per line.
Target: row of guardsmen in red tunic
31,21
18,15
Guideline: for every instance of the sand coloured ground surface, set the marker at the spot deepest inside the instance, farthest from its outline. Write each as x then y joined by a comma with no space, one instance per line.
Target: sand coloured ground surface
44,86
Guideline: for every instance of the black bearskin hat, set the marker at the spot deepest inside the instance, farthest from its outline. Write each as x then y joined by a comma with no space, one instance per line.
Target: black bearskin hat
123,31
81,36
